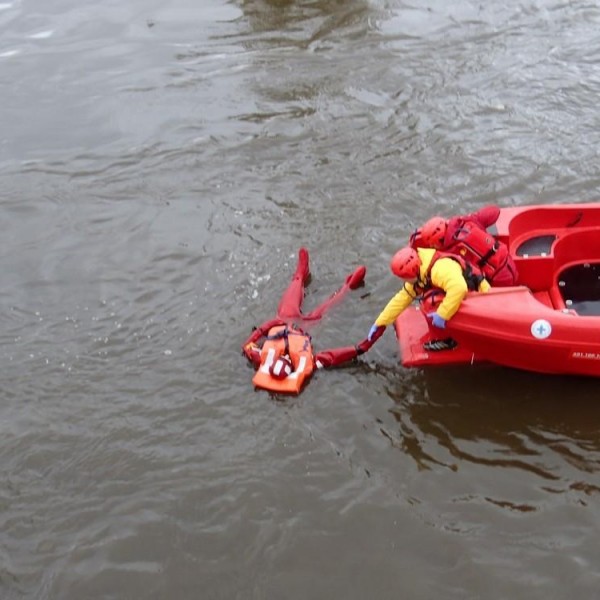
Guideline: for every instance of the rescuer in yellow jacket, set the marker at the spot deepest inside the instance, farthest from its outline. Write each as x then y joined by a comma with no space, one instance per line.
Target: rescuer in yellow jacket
424,269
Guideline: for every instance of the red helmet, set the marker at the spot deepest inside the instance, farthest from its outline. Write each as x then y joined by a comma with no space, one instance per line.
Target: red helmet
406,263
433,232
281,367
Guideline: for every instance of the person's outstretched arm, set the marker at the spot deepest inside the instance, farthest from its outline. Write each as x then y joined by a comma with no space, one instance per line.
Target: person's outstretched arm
334,357
392,310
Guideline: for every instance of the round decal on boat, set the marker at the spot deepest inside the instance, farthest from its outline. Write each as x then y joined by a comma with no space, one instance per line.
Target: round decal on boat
541,329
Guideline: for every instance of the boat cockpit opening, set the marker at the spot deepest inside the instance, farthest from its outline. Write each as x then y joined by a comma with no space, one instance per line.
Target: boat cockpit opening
579,286
537,246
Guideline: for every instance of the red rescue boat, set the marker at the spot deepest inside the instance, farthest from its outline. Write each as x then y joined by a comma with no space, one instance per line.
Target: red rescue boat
550,323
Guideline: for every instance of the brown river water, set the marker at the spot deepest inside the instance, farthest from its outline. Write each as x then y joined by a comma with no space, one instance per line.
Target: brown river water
161,163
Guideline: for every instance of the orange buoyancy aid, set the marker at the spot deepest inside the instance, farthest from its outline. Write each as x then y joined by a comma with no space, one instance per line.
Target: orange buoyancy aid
297,345
477,247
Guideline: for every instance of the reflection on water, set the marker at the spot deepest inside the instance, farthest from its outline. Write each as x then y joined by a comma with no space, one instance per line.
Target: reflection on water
502,419
305,24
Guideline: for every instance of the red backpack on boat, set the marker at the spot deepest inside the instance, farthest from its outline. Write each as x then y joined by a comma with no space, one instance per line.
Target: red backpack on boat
477,247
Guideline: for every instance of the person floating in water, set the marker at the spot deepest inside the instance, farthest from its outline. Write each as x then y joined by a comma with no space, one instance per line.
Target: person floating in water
281,350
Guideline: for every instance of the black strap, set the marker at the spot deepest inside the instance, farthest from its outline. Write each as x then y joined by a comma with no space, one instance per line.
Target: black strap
415,293
472,278
488,254
284,333
280,334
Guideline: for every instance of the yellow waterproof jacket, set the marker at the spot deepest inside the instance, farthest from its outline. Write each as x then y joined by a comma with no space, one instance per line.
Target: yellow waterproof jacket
446,274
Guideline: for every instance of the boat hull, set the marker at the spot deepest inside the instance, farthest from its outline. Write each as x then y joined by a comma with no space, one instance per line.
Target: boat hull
534,326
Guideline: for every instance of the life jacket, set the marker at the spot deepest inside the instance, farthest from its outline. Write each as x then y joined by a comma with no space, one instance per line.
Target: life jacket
477,247
297,345
473,276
